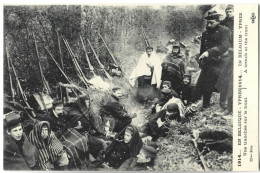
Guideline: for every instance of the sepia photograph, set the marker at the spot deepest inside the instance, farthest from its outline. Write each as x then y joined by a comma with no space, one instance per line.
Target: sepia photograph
118,87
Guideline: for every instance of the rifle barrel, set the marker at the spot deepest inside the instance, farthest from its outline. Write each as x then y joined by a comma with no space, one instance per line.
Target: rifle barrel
44,81
21,90
9,72
101,65
86,55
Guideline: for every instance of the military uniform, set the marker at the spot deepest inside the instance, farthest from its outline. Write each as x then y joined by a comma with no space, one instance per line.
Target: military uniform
113,108
173,69
152,129
228,22
216,43
59,124
119,151
225,81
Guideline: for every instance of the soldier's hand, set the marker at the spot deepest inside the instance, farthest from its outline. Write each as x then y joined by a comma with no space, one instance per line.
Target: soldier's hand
204,55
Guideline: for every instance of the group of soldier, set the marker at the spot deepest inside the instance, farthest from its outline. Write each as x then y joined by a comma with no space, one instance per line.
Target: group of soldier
68,137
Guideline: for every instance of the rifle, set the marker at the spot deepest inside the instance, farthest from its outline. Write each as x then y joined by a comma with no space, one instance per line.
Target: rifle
100,64
44,81
110,53
22,92
145,38
203,161
61,59
75,62
9,72
87,58
62,72
62,66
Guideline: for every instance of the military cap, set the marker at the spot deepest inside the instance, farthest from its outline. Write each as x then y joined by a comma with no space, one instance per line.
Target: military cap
212,15
230,7
168,83
12,124
172,107
149,151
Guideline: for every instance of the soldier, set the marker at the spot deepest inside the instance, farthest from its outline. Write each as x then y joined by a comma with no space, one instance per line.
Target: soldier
114,111
57,118
173,68
168,85
214,43
126,144
52,154
187,89
229,20
225,82
166,95
19,152
143,162
159,123
83,122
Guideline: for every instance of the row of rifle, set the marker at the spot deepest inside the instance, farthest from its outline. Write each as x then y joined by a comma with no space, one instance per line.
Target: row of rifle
60,66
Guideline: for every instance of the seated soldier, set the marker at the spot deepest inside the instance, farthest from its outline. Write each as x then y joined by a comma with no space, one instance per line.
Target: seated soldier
173,68
166,95
75,144
114,111
168,85
126,144
52,154
143,162
19,152
159,123
83,122
57,118
187,89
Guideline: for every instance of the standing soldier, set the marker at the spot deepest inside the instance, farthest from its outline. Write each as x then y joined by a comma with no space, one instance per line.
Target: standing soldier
225,82
173,68
214,43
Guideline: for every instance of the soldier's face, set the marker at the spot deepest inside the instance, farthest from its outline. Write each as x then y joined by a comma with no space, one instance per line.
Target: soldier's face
58,109
211,24
186,81
118,94
175,50
142,158
44,133
149,52
229,13
16,133
127,137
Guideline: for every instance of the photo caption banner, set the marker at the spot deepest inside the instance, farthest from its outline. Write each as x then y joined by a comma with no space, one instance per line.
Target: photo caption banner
245,100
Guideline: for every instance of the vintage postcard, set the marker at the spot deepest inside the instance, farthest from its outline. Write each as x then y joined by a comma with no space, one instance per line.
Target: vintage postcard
130,87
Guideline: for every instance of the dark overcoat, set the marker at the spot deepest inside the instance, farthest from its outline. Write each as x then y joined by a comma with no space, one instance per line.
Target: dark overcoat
14,159
216,43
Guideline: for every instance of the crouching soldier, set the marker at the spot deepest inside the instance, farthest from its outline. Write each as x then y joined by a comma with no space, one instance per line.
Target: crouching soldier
52,154
114,111
19,152
159,123
143,162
